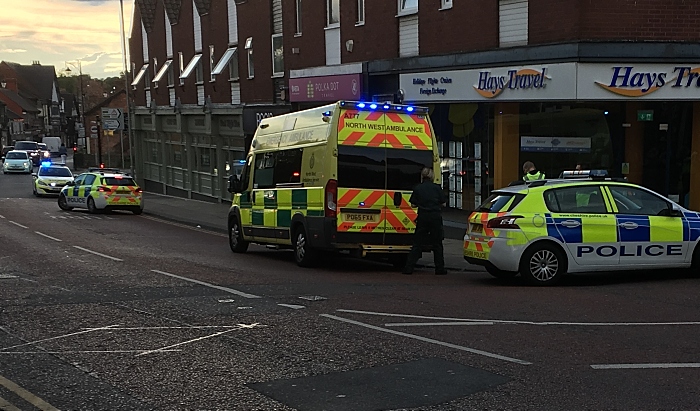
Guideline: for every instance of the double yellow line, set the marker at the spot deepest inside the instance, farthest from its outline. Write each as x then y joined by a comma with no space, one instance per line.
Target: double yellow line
26,395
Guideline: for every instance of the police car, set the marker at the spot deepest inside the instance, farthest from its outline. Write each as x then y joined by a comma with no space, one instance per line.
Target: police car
102,189
50,179
545,229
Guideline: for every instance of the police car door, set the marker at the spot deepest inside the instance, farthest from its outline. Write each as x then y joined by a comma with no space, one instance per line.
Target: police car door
584,223
649,235
73,193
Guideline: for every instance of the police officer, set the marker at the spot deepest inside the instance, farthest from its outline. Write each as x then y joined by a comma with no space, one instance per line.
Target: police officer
531,172
429,198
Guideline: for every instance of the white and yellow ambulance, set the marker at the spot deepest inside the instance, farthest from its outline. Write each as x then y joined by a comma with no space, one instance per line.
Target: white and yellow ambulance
336,177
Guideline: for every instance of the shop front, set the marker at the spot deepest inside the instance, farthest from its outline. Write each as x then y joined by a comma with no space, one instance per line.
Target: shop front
632,120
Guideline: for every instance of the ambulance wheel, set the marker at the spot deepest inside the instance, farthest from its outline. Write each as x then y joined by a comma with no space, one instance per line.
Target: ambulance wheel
503,275
91,206
303,254
235,237
63,203
543,264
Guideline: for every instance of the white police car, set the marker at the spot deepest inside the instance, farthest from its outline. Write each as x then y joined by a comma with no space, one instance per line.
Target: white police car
545,229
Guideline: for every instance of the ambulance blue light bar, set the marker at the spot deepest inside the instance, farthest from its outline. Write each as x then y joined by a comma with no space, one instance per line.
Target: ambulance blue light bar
401,108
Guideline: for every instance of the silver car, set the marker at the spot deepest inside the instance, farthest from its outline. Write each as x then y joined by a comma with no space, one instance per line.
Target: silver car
17,161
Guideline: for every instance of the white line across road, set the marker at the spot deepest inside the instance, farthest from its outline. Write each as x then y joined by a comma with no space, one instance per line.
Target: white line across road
644,366
430,340
18,224
89,330
218,287
96,253
2,217
449,323
26,395
47,236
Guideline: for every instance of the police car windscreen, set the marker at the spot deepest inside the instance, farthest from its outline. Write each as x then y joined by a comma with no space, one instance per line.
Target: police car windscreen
123,181
16,156
500,202
54,172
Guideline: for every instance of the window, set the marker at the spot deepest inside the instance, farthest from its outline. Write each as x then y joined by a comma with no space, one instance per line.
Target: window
211,64
298,11
79,180
251,63
446,4
408,6
199,73
89,179
229,55
155,73
171,76
403,167
583,199
233,67
360,12
278,168
277,55
361,167
501,202
630,200
182,67
118,181
333,13
193,65
161,73
140,75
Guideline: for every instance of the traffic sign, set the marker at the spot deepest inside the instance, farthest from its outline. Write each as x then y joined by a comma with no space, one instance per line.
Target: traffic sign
112,118
93,129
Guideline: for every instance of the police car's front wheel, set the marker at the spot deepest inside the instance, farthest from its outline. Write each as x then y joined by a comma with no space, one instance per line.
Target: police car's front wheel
235,237
63,203
303,254
543,264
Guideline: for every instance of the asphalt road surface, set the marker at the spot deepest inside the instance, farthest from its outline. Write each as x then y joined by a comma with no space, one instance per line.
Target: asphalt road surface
123,312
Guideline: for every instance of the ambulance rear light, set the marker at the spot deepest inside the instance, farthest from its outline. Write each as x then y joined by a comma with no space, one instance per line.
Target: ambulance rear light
505,222
331,199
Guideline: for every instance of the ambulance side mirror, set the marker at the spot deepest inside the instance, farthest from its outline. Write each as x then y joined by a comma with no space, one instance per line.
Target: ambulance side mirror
234,184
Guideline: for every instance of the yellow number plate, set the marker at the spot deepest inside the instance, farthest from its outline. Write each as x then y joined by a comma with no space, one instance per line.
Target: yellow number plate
477,228
476,254
360,218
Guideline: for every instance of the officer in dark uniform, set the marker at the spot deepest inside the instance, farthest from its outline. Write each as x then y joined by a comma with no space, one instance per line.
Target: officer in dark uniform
429,198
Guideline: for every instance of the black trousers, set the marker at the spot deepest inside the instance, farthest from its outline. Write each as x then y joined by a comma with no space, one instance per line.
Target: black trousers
429,231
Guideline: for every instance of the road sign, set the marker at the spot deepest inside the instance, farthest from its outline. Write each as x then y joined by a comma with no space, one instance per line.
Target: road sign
112,118
93,135
93,129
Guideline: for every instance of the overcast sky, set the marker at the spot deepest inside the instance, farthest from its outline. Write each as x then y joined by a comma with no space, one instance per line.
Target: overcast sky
58,31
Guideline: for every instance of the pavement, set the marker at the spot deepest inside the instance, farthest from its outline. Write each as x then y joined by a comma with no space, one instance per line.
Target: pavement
213,216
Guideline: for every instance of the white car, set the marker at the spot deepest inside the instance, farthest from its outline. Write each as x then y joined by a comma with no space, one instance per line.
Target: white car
17,161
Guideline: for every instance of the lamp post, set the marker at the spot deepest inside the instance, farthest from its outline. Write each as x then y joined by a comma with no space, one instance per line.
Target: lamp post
82,96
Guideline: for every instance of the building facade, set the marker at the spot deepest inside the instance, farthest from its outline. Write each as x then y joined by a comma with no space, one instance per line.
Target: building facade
609,84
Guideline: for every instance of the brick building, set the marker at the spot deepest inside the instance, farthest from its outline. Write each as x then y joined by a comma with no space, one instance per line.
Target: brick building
614,84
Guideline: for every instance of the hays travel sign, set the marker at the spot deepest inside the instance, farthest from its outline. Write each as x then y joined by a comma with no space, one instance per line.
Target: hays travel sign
639,81
537,82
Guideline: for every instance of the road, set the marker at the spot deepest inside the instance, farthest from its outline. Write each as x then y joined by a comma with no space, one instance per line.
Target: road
123,312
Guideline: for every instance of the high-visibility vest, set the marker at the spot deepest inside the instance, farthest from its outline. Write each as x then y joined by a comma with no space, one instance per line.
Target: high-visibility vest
531,177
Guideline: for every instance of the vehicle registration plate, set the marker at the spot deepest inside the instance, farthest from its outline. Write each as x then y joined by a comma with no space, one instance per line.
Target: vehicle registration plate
475,254
477,228
360,217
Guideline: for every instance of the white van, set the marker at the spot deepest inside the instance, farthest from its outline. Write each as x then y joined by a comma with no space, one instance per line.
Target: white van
53,144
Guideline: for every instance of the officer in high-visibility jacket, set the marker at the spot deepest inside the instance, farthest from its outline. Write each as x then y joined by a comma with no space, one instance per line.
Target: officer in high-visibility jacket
531,172
429,198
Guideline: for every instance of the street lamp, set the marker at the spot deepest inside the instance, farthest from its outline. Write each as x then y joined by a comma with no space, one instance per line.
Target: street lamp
82,93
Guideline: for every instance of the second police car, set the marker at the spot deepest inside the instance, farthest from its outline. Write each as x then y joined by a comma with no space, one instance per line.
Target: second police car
102,189
50,179
545,229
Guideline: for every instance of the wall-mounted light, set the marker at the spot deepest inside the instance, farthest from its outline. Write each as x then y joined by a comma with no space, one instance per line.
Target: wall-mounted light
348,45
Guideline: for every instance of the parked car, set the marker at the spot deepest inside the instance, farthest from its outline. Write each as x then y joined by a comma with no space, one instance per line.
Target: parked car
17,161
5,150
32,149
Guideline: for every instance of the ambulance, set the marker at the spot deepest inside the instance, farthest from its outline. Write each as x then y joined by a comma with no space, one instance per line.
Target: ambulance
334,178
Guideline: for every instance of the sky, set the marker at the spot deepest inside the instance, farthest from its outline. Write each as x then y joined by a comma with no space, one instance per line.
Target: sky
61,32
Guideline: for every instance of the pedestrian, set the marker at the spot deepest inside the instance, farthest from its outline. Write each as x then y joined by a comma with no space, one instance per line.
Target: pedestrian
429,198
531,172
63,152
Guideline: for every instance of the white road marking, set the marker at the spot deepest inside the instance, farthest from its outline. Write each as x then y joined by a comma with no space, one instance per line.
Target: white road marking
26,395
6,406
2,216
218,287
199,230
430,340
96,253
59,337
292,306
469,321
18,224
174,327
434,324
83,352
48,236
644,366
60,288
188,342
